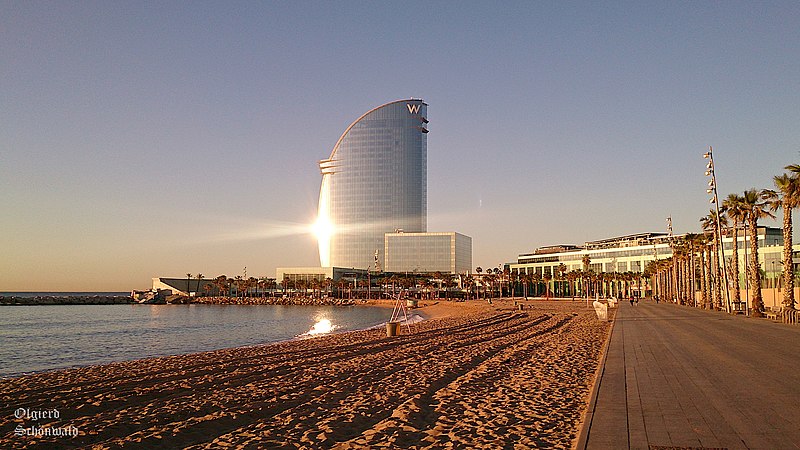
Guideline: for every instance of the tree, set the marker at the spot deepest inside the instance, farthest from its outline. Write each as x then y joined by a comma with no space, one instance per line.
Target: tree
199,280
789,191
221,283
327,284
702,247
546,278
572,277
734,209
709,225
694,244
755,202
239,282
188,286
562,269
524,278
586,261
479,270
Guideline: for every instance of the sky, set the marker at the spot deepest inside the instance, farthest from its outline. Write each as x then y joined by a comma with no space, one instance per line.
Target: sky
145,139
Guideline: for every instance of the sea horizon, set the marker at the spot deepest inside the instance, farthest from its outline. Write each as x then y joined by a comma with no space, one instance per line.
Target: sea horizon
30,294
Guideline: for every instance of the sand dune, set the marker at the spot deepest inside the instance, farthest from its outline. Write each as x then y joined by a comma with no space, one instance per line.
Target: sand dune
494,377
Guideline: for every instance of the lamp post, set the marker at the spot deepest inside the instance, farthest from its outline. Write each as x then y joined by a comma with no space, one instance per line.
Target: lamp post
712,190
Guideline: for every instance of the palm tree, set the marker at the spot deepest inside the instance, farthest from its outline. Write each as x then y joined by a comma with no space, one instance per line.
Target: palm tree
756,204
524,278
188,285
693,243
678,254
702,247
327,283
789,188
733,207
199,280
586,260
562,270
505,276
546,278
239,281
221,282
572,276
479,270
709,224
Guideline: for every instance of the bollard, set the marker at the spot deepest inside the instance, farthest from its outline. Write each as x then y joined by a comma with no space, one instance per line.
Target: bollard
392,329
601,310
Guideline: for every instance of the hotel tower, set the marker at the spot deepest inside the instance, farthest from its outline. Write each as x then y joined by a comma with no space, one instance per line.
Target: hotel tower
374,182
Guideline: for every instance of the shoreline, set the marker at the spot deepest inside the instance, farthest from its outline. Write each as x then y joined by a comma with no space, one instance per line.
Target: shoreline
471,374
385,304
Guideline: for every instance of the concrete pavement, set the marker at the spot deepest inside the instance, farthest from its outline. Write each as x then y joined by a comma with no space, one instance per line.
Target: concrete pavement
682,377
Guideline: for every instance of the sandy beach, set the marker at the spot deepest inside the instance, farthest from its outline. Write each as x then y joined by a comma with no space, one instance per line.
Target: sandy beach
473,375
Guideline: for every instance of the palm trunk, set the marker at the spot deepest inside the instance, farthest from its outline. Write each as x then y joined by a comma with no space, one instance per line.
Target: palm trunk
737,296
687,280
716,287
710,276
703,277
755,272
690,279
788,273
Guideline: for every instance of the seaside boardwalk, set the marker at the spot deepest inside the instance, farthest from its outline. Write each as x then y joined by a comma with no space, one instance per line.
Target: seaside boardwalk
679,377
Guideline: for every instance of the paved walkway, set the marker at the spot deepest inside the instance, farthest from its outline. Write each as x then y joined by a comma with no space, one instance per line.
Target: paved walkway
681,377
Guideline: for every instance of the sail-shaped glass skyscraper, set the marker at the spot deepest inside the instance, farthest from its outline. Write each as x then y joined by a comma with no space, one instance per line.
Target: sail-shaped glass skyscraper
374,182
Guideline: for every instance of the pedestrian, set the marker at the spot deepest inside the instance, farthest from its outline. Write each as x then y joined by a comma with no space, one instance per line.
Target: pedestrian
631,300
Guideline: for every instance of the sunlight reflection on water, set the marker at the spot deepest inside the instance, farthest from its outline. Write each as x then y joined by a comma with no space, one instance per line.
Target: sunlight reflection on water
323,326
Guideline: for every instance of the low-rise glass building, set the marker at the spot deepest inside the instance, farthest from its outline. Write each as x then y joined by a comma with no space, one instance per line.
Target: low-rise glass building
447,252
632,253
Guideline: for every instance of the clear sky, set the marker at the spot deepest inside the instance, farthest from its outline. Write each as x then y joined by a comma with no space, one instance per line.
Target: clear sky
142,139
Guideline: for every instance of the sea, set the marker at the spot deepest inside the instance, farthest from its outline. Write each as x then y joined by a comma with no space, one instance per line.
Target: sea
49,337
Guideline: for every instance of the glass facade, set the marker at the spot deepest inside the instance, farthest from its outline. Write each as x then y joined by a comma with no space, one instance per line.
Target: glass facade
374,182
447,252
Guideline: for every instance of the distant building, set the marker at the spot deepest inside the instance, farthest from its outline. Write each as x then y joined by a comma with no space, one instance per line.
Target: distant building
184,286
620,254
307,274
447,252
632,253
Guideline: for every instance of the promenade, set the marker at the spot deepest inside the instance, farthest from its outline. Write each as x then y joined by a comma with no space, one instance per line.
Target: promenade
679,377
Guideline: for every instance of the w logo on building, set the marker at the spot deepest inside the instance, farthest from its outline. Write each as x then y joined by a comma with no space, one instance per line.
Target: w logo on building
413,109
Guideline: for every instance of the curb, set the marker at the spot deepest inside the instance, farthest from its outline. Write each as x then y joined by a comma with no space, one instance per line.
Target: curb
583,433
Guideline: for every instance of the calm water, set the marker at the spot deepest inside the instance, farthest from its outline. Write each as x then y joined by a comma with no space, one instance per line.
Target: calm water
63,294
37,338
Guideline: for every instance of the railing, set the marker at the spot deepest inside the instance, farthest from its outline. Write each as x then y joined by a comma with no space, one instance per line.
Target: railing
790,316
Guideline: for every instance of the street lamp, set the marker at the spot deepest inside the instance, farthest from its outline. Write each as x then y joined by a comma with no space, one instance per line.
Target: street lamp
712,190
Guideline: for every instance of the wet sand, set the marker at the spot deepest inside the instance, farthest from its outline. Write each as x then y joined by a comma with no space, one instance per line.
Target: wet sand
477,375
